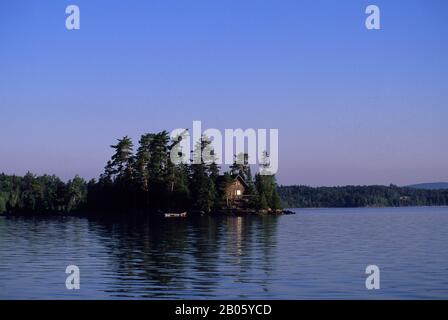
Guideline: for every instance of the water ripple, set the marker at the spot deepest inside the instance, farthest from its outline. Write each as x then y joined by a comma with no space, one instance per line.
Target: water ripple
316,254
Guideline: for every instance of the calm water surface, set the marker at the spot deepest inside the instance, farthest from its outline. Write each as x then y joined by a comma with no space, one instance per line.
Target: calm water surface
318,253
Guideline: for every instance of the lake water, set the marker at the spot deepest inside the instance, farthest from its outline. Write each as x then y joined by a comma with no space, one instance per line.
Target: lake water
315,254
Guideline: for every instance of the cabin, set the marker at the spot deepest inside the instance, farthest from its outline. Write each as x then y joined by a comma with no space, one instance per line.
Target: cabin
236,189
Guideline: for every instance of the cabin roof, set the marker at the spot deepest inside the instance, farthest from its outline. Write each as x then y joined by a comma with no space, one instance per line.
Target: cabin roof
241,179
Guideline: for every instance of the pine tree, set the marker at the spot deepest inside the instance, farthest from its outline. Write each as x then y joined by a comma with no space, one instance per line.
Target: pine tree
177,179
241,166
120,165
201,185
266,186
141,161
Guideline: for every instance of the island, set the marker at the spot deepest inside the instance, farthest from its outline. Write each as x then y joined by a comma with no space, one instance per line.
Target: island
146,182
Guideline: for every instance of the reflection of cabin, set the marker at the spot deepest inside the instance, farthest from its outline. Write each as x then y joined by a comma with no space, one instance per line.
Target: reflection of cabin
236,189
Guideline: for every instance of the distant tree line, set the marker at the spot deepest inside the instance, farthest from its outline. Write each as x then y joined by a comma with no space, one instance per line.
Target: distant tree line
41,194
360,196
145,181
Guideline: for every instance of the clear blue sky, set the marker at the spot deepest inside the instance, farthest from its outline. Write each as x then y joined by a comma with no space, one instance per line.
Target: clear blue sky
353,106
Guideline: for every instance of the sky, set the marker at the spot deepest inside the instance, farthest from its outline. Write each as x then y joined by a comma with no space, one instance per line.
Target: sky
352,106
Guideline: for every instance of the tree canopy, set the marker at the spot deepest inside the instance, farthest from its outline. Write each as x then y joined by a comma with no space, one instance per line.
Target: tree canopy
142,180
360,196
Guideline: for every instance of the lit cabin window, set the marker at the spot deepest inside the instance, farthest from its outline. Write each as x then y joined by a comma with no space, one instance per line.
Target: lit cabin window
238,192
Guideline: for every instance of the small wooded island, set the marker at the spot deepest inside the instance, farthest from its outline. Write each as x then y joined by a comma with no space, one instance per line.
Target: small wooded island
146,183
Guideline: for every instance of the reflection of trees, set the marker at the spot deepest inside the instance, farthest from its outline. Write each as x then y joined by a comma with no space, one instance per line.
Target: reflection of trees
267,238
250,243
205,235
149,256
188,258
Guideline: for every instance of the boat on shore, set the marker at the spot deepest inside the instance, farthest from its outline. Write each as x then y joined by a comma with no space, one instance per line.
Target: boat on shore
175,214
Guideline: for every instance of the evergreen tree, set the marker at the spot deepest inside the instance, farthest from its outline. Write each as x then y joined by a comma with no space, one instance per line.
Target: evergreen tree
120,166
177,179
201,185
241,167
266,186
119,174
159,184
142,161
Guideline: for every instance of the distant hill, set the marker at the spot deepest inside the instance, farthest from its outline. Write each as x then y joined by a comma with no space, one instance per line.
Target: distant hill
430,186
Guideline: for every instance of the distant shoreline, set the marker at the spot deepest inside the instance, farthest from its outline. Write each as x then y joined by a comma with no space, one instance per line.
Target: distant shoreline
375,196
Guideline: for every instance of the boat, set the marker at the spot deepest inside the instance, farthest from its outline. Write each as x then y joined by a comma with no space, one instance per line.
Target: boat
175,215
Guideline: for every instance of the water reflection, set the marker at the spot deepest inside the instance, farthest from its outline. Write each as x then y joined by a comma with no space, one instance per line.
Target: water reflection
315,254
183,257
